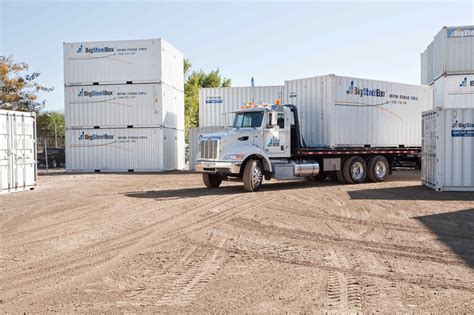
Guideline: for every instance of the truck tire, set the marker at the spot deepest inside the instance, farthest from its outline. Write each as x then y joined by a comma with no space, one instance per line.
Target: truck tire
354,170
211,180
377,169
253,175
340,177
318,178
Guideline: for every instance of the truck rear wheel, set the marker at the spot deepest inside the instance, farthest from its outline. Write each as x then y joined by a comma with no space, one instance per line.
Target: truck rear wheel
211,180
253,175
377,169
354,170
340,177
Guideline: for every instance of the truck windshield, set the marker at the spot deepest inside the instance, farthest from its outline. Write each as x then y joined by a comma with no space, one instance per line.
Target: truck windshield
248,120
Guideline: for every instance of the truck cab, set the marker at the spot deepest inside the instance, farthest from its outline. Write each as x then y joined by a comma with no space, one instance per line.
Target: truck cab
259,145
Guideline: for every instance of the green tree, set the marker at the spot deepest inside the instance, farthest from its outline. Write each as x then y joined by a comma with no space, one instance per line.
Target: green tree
50,126
193,82
19,88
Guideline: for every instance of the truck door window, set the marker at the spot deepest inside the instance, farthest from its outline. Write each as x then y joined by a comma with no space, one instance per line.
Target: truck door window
281,121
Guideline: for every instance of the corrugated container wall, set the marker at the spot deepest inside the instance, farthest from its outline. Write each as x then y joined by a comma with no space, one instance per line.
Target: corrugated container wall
217,104
17,151
454,91
194,136
339,111
448,149
122,105
119,62
127,149
451,52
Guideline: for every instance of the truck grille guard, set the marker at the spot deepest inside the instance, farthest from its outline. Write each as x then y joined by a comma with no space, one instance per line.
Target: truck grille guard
209,149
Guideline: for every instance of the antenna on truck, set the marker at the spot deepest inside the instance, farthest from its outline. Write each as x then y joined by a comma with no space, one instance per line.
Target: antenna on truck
252,84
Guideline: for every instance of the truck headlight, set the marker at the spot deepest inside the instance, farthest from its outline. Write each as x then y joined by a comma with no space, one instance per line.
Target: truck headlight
234,157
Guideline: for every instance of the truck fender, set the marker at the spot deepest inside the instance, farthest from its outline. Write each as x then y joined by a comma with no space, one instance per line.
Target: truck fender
267,166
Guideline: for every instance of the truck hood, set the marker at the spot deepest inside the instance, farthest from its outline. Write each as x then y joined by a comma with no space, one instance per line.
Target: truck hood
228,134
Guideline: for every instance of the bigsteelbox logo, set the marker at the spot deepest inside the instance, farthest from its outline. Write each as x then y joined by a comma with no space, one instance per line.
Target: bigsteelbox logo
94,50
83,92
364,91
461,125
462,129
465,82
95,136
461,32
214,100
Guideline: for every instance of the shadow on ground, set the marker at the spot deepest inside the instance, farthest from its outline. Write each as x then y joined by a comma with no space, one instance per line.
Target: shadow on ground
226,190
456,230
408,193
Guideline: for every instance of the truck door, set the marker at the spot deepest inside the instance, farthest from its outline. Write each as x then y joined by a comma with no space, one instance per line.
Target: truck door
276,138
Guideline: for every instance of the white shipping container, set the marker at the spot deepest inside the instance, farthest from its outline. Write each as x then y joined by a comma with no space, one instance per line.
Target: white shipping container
17,151
339,111
448,149
194,136
454,91
126,149
451,52
118,62
122,105
217,104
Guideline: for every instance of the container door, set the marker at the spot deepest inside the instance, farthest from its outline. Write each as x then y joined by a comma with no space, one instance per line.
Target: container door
5,158
17,153
169,149
26,151
429,149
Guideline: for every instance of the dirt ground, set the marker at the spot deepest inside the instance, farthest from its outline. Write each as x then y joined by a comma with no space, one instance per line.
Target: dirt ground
124,243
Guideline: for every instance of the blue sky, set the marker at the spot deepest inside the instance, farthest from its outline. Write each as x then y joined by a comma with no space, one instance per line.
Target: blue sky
272,41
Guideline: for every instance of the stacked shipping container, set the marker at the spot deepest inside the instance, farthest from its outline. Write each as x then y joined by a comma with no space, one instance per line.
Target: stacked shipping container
124,106
448,130
447,65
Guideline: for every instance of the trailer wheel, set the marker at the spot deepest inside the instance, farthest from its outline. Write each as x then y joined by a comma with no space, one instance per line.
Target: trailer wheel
253,175
354,170
377,169
318,178
211,180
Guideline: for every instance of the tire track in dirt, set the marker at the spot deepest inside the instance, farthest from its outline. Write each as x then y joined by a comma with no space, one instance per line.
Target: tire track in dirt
349,245
97,223
370,223
105,247
185,288
105,258
411,252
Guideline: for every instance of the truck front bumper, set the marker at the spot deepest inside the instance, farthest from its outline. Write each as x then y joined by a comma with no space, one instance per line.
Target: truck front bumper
225,167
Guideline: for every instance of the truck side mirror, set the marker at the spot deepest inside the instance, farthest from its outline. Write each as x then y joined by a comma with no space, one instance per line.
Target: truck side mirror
274,120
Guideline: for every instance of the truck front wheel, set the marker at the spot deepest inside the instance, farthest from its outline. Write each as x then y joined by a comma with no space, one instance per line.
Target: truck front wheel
211,180
253,175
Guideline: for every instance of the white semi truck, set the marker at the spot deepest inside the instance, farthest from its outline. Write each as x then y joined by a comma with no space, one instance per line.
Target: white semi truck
265,142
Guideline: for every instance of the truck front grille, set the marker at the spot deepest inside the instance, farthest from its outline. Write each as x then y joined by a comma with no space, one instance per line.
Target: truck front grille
209,149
